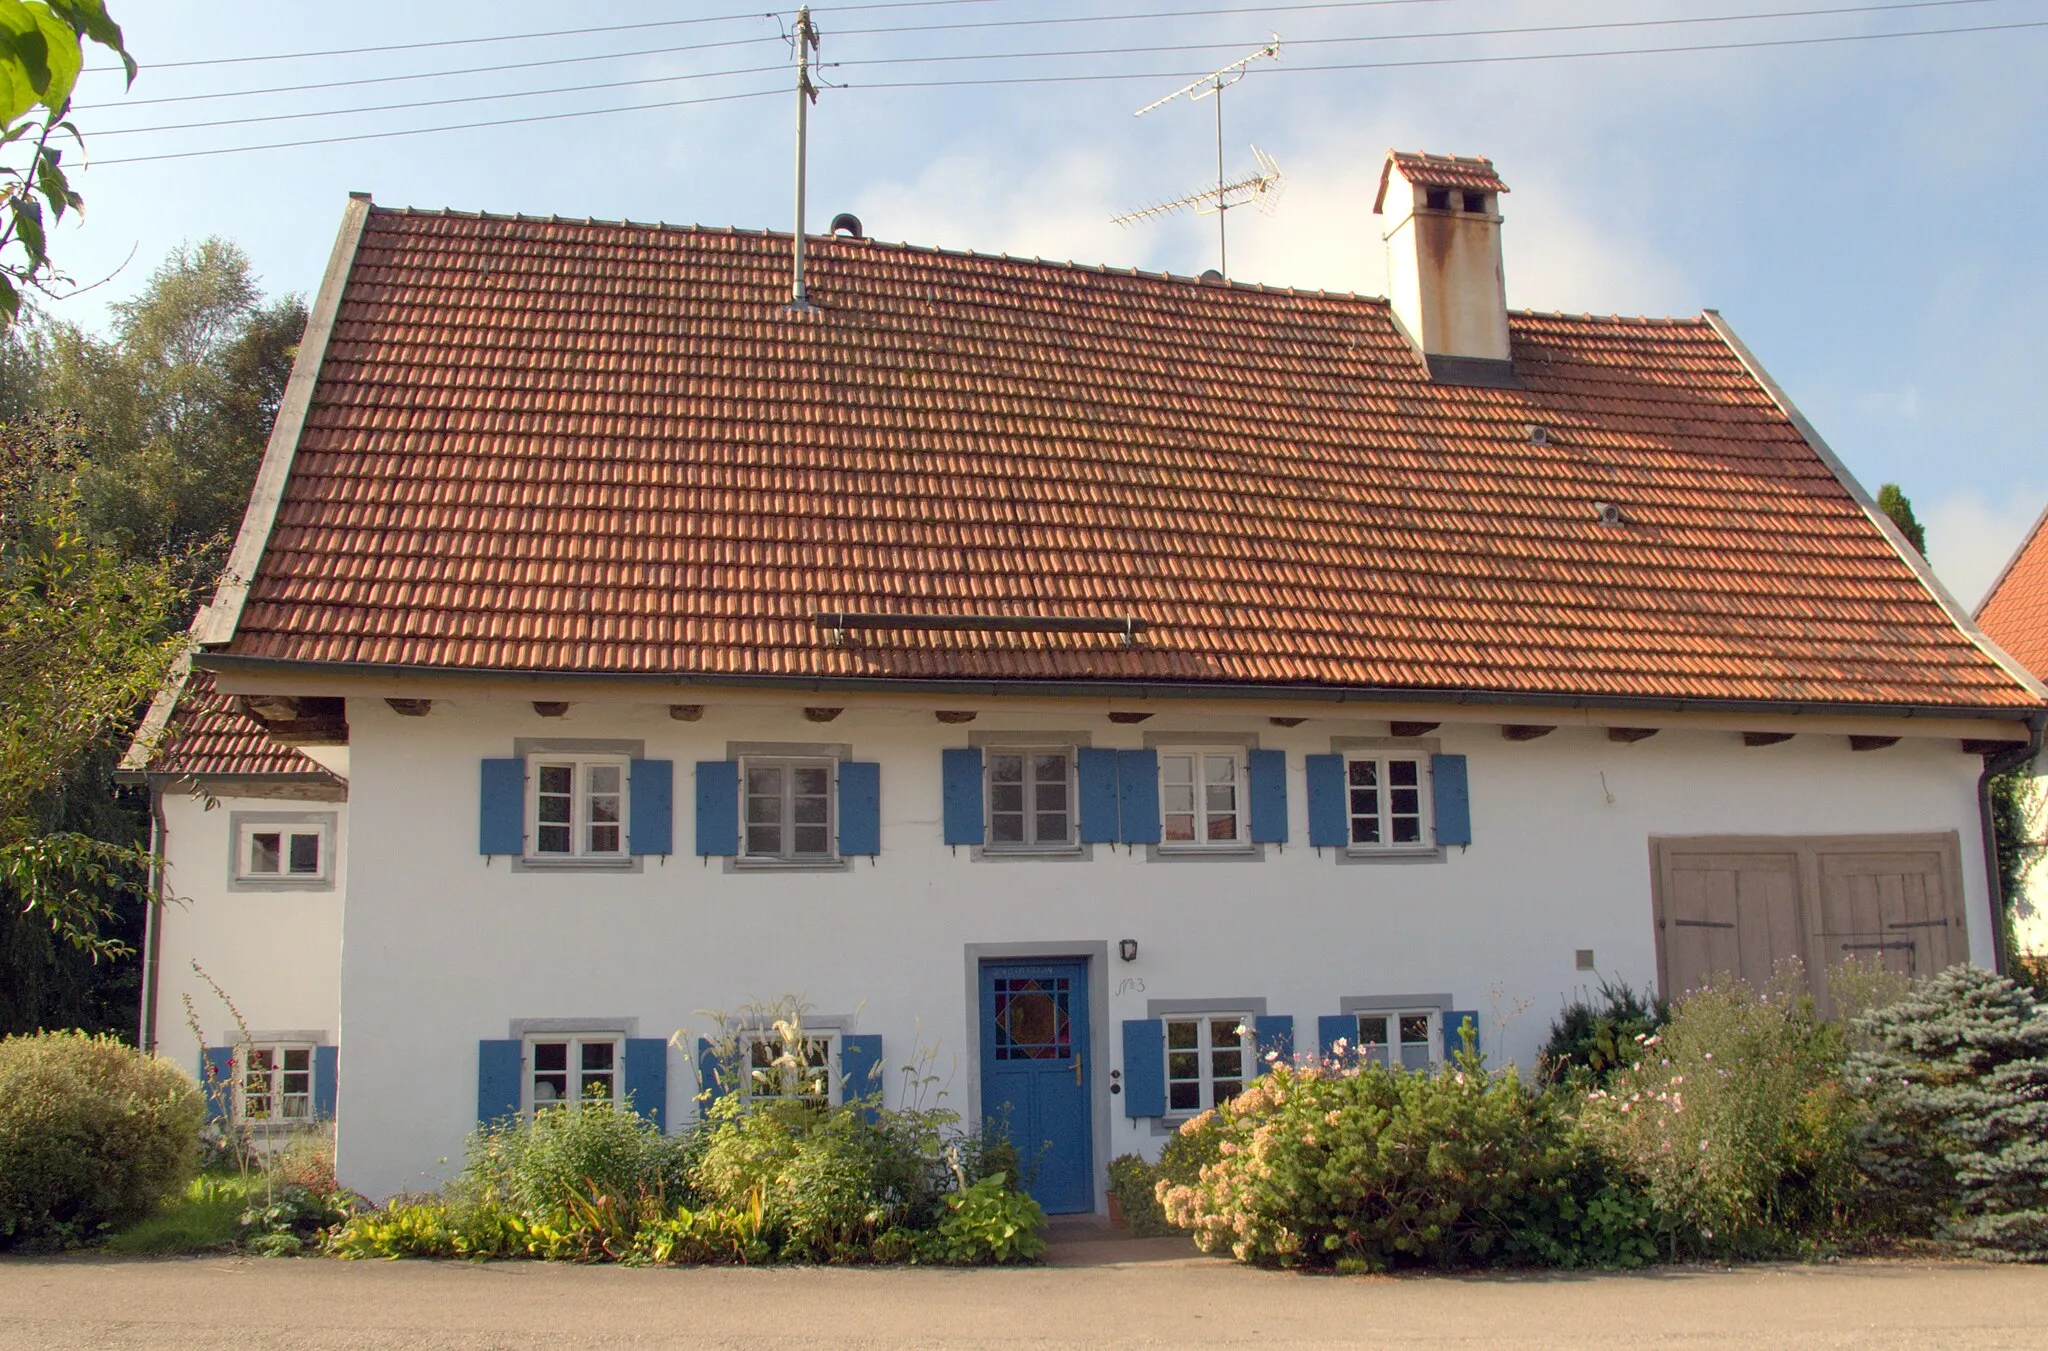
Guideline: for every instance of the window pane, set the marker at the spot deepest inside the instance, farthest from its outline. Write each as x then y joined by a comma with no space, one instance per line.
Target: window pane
1052,828
1177,827
1183,1065
263,852
1227,1064
557,779
554,809
553,840
1415,1028
1005,769
1407,830
1050,797
1365,773
1045,767
1226,1089
813,780
598,1055
1006,828
764,839
604,809
1404,773
1183,1036
1415,1057
813,840
262,1060
550,1055
809,811
604,839
604,778
1222,769
1184,1097
297,1061
765,780
1006,797
1225,1031
305,853
1372,1029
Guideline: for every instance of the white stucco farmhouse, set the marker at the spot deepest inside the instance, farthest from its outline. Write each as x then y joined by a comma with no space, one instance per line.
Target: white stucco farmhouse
1083,683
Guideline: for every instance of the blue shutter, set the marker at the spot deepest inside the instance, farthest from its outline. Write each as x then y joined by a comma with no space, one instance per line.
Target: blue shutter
709,1089
326,1077
498,1065
860,808
1332,1027
647,1078
1273,1035
1137,796
1329,826
718,808
502,815
962,766
1144,1067
217,1080
860,1068
1267,772
1097,772
1452,800
1453,1043
651,798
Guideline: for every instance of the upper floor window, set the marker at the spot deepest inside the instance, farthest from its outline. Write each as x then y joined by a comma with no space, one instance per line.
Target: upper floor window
578,806
1208,1060
1202,798
566,1071
270,853
276,1084
788,809
1399,1038
1031,798
1385,801
803,1073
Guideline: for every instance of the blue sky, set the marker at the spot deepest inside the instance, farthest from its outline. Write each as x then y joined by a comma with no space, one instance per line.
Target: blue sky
1865,213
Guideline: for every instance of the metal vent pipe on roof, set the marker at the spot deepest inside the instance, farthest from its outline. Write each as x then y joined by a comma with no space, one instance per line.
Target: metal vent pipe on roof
840,622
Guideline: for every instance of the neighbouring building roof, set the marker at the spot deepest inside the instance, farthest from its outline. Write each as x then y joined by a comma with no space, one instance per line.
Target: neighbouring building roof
566,446
2014,613
193,731
1438,171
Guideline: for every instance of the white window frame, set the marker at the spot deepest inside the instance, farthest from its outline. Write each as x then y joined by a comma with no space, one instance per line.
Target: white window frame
580,797
1391,1052
1424,816
787,764
1205,1051
1199,755
279,1051
768,1039
529,1067
245,848
1030,844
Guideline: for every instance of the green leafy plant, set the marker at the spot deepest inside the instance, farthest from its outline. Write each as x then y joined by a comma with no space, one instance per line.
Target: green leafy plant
1958,1079
1597,1037
989,1223
93,1134
1134,1183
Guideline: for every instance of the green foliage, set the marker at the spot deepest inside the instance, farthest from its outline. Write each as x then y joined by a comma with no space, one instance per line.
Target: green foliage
1958,1078
1736,1122
536,1168
2016,828
41,53
205,1217
1376,1168
1598,1038
1899,507
1598,1221
1134,1183
1197,1144
92,1135
989,1223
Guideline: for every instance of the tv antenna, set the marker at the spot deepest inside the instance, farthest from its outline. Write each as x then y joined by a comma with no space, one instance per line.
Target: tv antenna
1262,187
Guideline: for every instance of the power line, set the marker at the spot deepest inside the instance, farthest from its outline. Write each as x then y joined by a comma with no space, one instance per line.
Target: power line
1759,44
1015,56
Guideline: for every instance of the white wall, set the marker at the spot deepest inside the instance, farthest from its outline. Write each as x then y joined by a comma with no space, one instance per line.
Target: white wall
2030,917
276,954
444,948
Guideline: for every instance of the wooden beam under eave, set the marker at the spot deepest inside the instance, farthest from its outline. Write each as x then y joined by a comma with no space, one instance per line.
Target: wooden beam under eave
1765,738
1412,728
1626,735
1522,731
822,714
686,712
411,708
1871,743
955,715
1972,746
1128,718
1287,722
550,708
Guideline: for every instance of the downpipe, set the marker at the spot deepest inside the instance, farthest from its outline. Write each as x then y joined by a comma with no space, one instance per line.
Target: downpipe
152,934
1995,765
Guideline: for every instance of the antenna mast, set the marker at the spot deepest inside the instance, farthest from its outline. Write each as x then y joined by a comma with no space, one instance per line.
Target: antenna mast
806,39
1211,86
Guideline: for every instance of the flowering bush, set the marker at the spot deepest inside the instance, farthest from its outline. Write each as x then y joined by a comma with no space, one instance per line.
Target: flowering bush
1736,1122
1371,1168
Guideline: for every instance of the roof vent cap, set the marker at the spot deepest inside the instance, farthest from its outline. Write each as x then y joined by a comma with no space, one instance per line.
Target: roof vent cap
848,224
1212,277
1539,435
1608,513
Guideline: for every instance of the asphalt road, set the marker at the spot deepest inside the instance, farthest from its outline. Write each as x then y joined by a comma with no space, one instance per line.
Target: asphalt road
196,1304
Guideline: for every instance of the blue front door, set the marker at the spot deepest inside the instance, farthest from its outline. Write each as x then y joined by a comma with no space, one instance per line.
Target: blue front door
1035,1075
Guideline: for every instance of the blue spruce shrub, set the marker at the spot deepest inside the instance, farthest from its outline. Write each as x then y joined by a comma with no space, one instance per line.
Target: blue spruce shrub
1958,1077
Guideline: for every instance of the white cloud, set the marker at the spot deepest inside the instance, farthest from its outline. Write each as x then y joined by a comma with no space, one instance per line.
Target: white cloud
1969,539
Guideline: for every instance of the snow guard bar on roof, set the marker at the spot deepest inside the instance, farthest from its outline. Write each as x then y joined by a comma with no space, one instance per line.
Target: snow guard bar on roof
839,622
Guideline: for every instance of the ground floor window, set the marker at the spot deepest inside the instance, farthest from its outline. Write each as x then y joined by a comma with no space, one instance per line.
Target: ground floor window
1399,1037
1208,1060
806,1071
277,1084
566,1071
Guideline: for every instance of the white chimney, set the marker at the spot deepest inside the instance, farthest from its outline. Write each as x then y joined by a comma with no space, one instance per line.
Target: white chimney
1444,278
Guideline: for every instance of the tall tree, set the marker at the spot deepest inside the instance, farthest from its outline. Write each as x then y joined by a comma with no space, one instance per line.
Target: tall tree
1899,507
178,400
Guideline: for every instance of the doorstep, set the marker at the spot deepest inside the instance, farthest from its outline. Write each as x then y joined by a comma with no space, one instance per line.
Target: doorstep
1092,1241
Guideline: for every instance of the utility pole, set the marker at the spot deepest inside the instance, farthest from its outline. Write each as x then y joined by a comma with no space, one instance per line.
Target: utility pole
806,39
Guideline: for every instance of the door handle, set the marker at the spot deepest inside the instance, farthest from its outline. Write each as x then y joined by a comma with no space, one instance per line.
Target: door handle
1077,1071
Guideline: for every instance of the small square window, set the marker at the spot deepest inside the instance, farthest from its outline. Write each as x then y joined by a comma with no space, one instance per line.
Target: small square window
564,1072
1385,801
1202,798
788,809
282,853
1404,1039
1209,1059
809,1074
578,807
276,1084
1031,799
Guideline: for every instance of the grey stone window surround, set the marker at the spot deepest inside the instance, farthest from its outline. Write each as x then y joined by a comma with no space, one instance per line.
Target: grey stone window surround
1166,1008
1420,746
259,1036
735,751
330,844
1003,741
525,748
1394,1003
522,1028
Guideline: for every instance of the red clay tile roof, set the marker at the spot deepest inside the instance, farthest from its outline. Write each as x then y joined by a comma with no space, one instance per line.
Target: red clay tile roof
586,447
2015,612
209,736
1439,171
